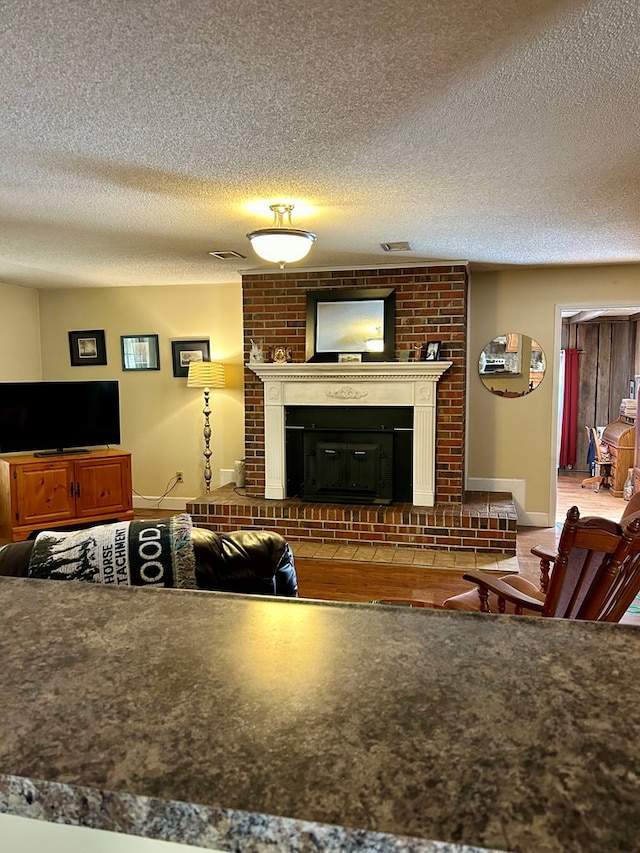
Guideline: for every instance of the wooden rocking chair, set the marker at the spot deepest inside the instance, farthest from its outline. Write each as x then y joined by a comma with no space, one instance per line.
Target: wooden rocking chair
596,575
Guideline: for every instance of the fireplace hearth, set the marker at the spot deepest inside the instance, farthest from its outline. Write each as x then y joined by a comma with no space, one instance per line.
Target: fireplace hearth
483,522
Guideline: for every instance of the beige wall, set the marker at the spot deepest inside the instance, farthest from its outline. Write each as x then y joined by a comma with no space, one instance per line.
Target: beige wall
19,335
508,439
516,438
161,419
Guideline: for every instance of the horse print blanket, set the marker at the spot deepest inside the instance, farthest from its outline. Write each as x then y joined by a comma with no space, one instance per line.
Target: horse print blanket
152,552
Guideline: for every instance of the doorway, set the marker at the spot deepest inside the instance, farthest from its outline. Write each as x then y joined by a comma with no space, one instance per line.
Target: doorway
607,340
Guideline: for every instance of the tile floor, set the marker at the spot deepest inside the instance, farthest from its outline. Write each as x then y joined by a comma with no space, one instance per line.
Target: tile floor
409,557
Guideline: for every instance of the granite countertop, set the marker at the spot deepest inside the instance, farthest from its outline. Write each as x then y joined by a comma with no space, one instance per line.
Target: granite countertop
256,724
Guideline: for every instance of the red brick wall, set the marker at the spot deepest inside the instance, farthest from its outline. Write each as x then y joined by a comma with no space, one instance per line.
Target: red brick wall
431,305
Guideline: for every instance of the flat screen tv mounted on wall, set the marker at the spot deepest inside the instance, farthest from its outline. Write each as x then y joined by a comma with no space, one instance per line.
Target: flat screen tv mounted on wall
58,417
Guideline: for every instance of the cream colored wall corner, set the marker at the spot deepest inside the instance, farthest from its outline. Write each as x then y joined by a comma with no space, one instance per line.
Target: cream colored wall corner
20,359
515,439
161,419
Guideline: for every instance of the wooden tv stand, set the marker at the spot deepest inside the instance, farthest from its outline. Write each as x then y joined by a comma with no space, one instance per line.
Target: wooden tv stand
48,492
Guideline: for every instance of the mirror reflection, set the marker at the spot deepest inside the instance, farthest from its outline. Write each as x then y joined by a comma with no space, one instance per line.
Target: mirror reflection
512,365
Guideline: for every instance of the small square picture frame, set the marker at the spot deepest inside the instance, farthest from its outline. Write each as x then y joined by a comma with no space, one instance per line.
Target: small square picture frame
431,351
87,347
140,352
186,351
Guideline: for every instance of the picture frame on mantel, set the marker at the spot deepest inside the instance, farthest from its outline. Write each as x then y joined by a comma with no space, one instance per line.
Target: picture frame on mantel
87,347
184,352
431,351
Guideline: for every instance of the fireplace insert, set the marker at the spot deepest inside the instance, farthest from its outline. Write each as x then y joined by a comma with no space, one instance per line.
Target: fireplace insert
349,454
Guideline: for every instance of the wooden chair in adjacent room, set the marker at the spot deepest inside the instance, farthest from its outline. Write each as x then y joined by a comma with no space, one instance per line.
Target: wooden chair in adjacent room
601,467
596,575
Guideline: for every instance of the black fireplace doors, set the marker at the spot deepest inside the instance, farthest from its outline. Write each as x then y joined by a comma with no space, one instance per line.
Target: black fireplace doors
349,454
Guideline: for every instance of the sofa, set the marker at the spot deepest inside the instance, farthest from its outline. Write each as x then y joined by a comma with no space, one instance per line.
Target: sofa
252,562
256,562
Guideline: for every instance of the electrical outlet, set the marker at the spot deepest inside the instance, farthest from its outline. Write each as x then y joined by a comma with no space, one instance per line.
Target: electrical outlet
179,477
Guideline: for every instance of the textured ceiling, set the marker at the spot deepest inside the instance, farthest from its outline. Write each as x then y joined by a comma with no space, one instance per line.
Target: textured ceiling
137,135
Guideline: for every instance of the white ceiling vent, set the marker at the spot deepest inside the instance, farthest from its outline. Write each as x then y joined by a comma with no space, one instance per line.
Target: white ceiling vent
226,256
400,246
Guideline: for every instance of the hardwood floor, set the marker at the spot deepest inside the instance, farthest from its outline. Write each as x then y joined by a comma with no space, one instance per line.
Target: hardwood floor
589,502
337,579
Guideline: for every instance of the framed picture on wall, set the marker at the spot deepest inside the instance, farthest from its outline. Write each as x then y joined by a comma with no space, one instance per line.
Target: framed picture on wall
87,347
184,352
140,352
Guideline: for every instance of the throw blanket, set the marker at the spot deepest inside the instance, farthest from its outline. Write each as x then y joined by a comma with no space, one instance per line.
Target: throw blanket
153,552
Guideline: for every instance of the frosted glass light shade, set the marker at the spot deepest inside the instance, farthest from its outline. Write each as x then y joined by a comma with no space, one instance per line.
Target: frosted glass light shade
281,245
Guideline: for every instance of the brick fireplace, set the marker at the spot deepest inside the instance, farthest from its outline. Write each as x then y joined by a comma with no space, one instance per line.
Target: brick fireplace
431,305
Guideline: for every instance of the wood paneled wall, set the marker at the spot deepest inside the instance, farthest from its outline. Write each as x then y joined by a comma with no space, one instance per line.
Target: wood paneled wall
607,364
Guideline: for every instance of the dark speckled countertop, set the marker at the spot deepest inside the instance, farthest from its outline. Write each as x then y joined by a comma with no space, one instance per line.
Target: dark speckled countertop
256,724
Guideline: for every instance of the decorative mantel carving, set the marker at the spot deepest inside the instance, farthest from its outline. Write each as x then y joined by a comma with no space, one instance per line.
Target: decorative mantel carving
369,384
347,392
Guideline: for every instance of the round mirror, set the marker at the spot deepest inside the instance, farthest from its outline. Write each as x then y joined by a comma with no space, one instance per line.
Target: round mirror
512,365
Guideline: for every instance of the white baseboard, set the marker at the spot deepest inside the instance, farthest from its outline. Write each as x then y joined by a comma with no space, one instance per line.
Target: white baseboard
165,503
537,519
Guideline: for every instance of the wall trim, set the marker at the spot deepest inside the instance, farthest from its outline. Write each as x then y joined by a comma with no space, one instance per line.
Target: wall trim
537,519
151,503
398,265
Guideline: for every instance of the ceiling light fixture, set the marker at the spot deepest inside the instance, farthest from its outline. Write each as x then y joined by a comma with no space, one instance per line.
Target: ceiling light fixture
279,244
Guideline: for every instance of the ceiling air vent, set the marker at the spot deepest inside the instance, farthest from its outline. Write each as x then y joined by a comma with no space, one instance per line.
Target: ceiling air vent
400,246
226,256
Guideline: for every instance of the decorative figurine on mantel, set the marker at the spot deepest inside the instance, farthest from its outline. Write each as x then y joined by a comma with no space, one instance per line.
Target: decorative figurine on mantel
281,355
417,352
256,353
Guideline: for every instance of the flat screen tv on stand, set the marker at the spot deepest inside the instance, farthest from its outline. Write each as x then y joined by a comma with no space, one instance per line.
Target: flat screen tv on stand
53,418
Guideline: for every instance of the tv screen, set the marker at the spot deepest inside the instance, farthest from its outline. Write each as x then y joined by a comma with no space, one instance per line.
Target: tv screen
58,416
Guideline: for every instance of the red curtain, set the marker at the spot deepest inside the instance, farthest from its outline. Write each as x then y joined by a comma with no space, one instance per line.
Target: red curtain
569,436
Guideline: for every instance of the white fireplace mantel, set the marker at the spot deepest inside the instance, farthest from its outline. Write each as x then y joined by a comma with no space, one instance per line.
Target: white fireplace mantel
381,383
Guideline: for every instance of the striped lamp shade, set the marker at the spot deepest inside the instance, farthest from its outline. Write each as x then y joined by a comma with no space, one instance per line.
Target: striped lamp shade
206,374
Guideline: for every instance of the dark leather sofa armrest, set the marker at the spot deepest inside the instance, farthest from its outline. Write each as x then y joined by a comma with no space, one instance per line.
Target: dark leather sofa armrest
246,561
14,559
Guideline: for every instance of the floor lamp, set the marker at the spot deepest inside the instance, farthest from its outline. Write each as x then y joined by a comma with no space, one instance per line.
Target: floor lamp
207,375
